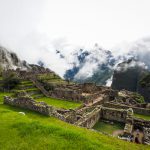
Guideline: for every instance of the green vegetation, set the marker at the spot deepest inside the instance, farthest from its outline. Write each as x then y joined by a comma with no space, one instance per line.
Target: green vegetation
35,93
48,76
146,117
37,132
139,98
60,103
107,127
10,81
145,81
50,79
1,70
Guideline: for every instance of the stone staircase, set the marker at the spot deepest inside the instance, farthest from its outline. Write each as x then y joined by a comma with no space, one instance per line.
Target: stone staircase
39,86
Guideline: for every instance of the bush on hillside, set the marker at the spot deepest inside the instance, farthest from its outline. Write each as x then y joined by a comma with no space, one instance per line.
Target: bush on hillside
145,82
10,81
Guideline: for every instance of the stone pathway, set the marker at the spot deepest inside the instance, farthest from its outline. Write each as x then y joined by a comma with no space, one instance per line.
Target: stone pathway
118,132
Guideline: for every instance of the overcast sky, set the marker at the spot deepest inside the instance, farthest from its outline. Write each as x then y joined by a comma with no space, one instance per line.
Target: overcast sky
29,26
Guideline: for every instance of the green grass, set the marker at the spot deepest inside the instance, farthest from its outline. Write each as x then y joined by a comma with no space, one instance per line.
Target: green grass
146,117
48,76
37,132
108,128
2,94
59,103
24,82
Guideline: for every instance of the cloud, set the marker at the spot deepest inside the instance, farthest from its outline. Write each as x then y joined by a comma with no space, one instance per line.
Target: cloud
130,64
96,57
139,50
38,47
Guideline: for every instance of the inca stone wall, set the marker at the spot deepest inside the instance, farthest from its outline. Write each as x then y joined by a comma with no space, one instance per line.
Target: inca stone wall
29,103
143,111
146,136
113,114
89,119
68,94
141,123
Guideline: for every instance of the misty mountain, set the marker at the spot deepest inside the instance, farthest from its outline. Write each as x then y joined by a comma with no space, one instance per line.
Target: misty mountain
10,60
128,75
94,65
98,65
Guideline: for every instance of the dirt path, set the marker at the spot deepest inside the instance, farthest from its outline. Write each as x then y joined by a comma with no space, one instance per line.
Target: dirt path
117,132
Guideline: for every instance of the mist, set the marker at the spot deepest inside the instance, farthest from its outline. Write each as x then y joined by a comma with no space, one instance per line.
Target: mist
35,29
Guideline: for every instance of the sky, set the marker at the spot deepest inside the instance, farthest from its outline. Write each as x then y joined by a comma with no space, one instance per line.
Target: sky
35,28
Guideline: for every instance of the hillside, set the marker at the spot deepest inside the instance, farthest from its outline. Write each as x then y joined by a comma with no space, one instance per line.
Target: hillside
35,131
9,60
41,107
129,75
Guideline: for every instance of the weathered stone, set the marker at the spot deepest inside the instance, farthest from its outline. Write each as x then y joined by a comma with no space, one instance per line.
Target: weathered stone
29,103
146,135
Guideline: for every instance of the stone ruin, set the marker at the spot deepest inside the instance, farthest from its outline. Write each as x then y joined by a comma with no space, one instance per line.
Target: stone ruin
146,135
29,103
86,116
100,103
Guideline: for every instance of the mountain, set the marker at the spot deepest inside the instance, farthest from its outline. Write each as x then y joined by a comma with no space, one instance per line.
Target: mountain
128,75
98,65
93,65
9,60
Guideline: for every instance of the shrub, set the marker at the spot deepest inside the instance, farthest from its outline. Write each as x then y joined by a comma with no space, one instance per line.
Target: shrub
145,81
10,81
139,98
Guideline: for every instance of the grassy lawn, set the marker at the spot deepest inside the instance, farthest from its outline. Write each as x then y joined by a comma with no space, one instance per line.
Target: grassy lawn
108,128
59,103
146,117
2,94
37,132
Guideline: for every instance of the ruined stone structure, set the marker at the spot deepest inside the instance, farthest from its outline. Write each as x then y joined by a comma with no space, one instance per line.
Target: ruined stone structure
143,110
99,103
146,135
29,103
89,118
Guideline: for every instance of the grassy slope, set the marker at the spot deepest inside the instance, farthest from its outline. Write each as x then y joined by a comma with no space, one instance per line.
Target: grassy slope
146,117
37,132
59,103
108,128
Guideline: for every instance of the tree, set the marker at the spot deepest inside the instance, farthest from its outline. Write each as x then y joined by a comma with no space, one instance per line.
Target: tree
1,70
10,81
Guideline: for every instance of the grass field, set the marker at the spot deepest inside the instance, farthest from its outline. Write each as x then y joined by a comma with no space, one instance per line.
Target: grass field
108,128
146,117
37,132
59,103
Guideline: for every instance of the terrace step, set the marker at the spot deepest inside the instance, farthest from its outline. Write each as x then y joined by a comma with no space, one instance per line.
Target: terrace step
39,86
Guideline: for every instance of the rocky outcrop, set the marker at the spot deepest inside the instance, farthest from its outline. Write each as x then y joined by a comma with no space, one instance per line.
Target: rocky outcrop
9,60
128,76
144,87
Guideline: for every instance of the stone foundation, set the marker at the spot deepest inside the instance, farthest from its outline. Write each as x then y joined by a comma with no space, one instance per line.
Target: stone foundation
146,136
138,110
29,103
113,114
